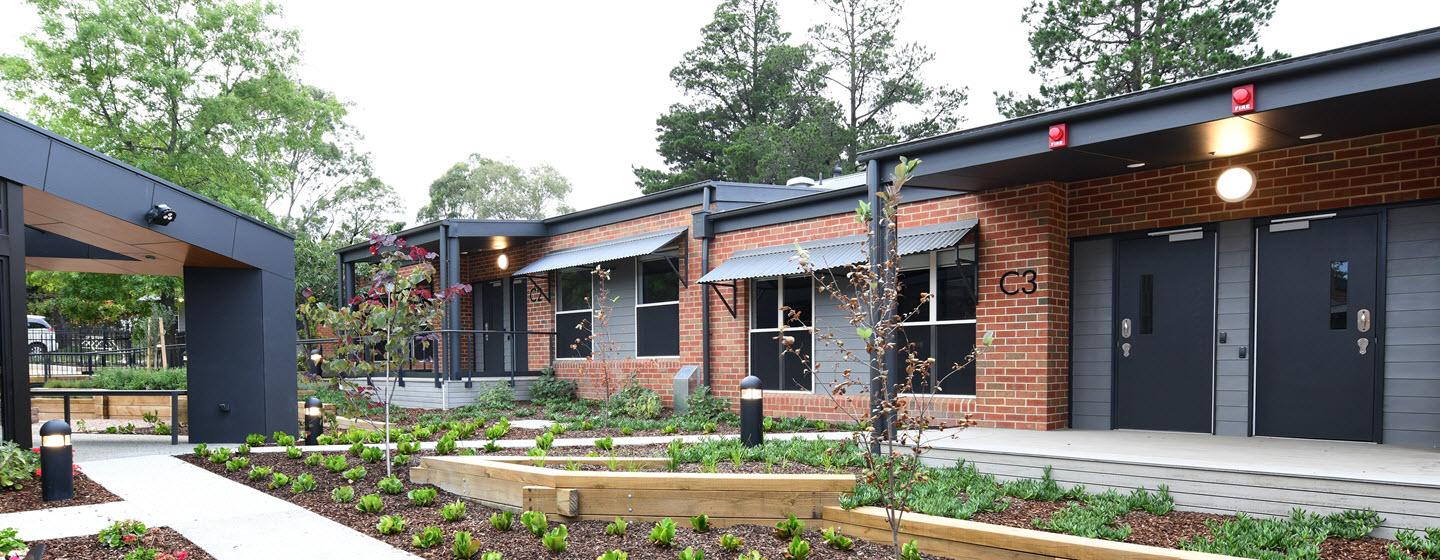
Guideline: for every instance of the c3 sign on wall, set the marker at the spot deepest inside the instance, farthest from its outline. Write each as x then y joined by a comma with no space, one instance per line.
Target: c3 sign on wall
1018,282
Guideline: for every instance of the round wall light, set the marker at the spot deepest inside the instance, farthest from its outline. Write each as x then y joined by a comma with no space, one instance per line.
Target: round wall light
502,261
1235,184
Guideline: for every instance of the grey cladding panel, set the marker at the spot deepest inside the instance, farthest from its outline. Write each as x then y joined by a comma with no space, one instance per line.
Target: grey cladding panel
1091,325
25,155
829,361
85,179
619,334
1412,320
1232,307
203,225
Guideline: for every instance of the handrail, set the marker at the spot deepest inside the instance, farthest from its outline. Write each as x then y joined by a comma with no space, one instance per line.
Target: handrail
66,393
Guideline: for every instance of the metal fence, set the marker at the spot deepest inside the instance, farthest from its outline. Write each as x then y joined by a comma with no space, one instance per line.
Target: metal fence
478,353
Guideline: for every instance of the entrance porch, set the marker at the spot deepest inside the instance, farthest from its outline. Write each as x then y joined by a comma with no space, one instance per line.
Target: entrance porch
1218,474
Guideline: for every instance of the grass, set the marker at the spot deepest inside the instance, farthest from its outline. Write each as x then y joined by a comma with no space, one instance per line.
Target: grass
129,379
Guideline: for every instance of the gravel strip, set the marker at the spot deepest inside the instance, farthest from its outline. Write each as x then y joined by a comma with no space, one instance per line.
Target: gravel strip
88,547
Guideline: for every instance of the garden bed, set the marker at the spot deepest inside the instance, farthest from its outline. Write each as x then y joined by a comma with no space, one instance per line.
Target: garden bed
587,539
87,492
88,547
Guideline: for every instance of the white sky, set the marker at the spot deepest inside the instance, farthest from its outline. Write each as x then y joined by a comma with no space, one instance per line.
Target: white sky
578,84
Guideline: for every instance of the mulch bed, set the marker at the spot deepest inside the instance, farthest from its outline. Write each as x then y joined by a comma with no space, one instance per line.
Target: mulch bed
88,547
587,538
87,492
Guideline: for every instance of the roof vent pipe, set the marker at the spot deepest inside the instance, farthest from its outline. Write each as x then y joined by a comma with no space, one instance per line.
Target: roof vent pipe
801,181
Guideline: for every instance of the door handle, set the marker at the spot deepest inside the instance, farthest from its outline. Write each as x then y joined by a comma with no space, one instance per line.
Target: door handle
1362,321
1125,350
1364,344
1125,328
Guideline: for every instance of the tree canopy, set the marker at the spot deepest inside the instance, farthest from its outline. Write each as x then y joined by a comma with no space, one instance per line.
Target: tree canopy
754,107
1084,50
484,188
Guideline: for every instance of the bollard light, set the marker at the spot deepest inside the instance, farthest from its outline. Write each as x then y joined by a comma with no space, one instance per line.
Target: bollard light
57,462
314,421
752,411
315,359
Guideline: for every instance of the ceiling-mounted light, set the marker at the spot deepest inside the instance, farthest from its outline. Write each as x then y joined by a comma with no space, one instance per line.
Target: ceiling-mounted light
1136,165
160,215
1235,184
1311,136
502,261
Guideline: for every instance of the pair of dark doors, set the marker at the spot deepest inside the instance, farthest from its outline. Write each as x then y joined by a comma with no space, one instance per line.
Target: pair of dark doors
490,315
1315,316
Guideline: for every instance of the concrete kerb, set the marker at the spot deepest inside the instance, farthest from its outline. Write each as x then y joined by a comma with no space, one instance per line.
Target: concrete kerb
577,442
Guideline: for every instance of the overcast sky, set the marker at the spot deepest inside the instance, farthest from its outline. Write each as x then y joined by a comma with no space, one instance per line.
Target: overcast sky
578,84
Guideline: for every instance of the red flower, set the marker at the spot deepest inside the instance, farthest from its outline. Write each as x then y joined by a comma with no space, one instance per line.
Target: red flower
37,473
35,450
399,241
374,249
128,538
182,555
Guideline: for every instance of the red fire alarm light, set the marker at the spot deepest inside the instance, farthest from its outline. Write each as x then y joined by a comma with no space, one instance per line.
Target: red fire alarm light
1242,99
1059,136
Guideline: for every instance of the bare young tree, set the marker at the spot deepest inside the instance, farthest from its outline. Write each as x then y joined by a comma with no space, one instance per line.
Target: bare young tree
902,420
592,332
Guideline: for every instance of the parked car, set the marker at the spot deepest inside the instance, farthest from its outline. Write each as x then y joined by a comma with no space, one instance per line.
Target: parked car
41,335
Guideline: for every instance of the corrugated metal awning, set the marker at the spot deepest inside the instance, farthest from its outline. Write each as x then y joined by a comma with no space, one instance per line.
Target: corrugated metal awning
605,251
780,260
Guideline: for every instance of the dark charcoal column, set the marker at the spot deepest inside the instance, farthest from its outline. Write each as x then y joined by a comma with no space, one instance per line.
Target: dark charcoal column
14,359
241,343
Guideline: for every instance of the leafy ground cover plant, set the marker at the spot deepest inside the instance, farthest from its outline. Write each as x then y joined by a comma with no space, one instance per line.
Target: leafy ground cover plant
616,528
278,480
428,537
259,473
372,454
255,440
731,543
663,533
700,523
422,497
343,494
535,522
122,533
789,527
837,541
370,503
799,549
615,554
502,520
354,475
465,546
17,466
1410,545
1298,536
304,482
390,485
691,553
453,511
390,525
555,540
314,460
336,463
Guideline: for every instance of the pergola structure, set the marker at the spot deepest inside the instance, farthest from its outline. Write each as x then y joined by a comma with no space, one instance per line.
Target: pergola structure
64,207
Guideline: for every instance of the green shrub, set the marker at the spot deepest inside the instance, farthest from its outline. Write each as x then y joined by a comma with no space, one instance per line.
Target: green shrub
730,543
1297,537
114,535
259,473
790,527
243,449
446,445
910,551
548,388
836,540
635,401
465,547
10,542
278,480
498,430
202,450
343,494
303,483
336,463
314,459
293,452
544,441
370,503
799,549
556,539
219,455
400,460
284,440
663,533
705,405
234,465
535,522
616,554
691,553
1410,545
605,444
1357,524
1097,518
372,454
422,497
453,511
429,537
128,379
502,520
390,485
700,523
357,448
325,439
390,525
492,556
498,397
255,440
616,528
354,475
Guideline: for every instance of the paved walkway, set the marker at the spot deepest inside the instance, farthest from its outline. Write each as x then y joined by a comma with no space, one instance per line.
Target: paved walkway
227,519
580,442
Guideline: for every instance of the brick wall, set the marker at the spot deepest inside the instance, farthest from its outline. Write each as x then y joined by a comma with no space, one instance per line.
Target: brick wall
653,373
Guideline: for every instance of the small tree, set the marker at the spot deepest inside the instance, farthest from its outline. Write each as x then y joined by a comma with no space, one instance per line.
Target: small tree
380,327
591,333
895,426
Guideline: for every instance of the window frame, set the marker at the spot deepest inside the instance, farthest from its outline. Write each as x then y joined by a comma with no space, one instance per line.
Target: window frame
933,320
556,312
640,293
779,321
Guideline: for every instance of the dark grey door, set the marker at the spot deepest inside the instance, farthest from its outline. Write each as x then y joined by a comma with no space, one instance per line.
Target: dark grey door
1316,322
492,318
1164,320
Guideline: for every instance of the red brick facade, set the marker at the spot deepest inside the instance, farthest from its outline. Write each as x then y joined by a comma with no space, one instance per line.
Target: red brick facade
1022,382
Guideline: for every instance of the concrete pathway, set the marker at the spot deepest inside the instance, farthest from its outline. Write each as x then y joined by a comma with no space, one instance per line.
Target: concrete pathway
580,442
228,519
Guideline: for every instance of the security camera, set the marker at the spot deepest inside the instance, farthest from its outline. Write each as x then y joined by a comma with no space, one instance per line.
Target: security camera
160,215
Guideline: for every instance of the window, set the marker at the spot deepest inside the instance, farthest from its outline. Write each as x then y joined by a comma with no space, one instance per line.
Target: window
657,311
944,326
1339,294
572,313
778,369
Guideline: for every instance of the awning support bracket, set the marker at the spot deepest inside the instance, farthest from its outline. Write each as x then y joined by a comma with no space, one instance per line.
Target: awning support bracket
684,258
536,289
734,294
